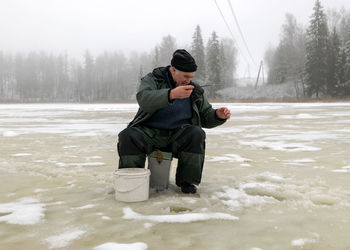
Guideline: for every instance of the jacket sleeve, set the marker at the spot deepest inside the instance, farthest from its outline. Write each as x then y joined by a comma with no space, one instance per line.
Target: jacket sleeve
208,115
151,98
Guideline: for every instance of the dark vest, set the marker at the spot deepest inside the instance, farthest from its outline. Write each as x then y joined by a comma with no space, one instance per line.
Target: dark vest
173,116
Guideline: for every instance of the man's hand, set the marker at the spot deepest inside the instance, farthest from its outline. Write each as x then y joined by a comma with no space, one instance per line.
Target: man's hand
223,113
181,92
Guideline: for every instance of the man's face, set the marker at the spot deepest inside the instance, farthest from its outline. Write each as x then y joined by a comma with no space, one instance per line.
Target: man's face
180,77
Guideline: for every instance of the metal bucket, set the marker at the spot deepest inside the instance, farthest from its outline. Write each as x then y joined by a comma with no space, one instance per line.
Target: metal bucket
159,164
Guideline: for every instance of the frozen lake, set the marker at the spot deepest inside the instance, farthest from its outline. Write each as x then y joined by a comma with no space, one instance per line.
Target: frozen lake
276,176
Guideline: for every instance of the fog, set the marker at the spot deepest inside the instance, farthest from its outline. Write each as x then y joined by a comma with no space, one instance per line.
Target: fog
134,25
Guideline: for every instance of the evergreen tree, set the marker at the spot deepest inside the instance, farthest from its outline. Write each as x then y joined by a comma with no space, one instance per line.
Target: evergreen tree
341,72
213,64
89,75
227,62
197,51
346,83
316,52
166,50
156,59
2,74
344,24
62,87
286,62
332,63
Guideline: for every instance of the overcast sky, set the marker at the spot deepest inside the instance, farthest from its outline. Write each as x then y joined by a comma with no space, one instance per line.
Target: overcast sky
136,25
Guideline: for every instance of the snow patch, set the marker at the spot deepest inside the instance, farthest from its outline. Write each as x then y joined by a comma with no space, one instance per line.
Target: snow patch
178,218
305,160
345,169
9,134
118,246
228,158
64,239
27,211
280,146
237,199
80,164
106,218
302,242
21,154
70,146
148,225
85,207
40,190
300,116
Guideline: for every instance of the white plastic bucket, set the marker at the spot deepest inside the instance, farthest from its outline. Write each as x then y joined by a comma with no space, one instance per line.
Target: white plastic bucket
131,184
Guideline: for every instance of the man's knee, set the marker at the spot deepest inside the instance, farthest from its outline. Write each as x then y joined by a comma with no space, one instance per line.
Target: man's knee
192,140
195,134
129,133
131,142
198,133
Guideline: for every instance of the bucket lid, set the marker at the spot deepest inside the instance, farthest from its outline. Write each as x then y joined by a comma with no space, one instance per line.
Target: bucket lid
132,171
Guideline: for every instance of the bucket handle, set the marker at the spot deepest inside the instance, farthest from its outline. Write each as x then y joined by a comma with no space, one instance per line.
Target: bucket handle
129,190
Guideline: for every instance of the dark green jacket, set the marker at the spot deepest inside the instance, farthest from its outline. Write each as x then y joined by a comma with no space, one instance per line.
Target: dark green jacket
153,95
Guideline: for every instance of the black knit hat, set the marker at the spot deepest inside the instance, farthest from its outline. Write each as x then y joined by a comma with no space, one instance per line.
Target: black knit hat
183,61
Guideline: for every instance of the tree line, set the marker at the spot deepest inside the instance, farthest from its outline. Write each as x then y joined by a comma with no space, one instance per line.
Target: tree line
110,76
315,59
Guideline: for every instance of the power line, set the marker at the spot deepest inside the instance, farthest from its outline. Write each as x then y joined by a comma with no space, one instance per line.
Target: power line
240,31
228,27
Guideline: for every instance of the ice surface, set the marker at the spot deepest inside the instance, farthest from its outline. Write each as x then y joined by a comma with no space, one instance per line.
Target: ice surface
178,218
62,158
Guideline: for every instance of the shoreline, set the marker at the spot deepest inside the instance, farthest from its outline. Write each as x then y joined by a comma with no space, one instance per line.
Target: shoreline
259,100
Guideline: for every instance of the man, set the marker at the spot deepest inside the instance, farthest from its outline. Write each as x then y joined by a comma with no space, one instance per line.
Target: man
172,112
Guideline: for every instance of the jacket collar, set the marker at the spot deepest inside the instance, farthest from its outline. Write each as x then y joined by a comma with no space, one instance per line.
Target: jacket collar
159,73
160,76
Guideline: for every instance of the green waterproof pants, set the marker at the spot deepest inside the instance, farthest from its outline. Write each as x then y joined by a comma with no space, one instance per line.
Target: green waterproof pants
186,143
